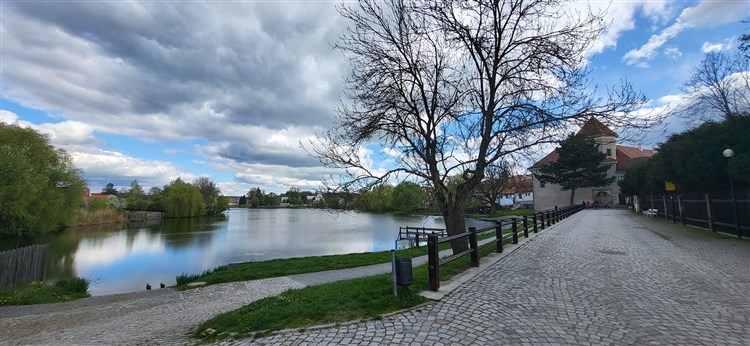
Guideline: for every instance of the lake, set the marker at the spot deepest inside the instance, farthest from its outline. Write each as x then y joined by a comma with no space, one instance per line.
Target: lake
124,258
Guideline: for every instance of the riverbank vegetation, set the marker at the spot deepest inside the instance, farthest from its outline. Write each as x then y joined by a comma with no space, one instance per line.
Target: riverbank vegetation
87,217
40,188
41,293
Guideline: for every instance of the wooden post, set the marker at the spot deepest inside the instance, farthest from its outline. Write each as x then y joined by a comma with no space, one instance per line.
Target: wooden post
525,226
708,211
499,236
416,238
514,228
541,216
549,219
664,200
433,261
474,247
679,205
535,227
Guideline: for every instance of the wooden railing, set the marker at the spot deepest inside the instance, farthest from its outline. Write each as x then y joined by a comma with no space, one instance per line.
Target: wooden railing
416,234
532,223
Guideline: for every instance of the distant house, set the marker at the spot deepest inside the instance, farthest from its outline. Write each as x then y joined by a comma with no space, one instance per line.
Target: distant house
234,200
619,158
518,193
87,195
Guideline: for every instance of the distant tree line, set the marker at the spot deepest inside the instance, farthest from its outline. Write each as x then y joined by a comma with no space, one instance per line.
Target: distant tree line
176,199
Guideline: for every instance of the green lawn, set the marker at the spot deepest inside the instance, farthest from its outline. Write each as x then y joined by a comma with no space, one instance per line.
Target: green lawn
364,298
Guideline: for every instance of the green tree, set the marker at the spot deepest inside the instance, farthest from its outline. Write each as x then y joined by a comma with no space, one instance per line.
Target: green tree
243,201
693,159
109,189
579,165
135,197
183,200
40,188
495,180
210,194
155,199
407,198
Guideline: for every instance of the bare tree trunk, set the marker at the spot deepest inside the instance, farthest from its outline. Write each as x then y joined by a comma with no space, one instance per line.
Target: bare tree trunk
455,220
572,195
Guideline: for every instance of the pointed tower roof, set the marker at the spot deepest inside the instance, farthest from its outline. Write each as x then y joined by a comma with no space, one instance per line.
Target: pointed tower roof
594,128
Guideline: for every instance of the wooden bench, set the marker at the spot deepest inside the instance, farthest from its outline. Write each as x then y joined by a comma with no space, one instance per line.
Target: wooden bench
650,212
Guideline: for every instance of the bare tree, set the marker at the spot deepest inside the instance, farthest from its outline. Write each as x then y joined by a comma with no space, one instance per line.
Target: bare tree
718,88
496,178
451,87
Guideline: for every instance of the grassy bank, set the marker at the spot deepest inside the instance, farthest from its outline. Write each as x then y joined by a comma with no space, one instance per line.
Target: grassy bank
41,293
365,298
293,266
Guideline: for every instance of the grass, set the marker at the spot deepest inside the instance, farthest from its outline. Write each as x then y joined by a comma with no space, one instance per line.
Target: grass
364,298
293,266
40,293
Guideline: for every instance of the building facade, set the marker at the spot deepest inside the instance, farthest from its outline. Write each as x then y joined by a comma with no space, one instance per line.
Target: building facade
619,158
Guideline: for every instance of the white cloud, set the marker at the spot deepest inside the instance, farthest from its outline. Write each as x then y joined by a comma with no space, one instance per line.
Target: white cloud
706,14
718,46
673,53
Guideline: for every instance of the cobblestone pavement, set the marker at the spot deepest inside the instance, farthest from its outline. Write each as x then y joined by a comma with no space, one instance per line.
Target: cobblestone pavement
599,277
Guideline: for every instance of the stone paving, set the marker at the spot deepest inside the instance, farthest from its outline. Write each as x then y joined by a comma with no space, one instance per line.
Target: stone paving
600,277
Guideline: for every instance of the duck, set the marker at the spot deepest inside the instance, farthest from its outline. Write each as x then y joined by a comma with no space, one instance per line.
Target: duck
148,287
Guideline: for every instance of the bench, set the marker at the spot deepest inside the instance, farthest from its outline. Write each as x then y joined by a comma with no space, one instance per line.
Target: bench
650,212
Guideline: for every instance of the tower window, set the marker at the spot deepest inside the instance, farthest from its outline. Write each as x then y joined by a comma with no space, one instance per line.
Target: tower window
609,152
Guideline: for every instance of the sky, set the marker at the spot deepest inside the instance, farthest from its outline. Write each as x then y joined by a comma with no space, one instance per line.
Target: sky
152,91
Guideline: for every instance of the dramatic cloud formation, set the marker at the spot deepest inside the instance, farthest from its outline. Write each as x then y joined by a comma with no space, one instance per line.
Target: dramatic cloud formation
706,14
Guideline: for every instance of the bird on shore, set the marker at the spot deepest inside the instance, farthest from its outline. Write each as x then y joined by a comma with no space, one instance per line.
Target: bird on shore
162,285
148,287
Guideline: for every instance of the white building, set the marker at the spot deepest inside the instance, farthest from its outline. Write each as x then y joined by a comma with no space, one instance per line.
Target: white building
619,158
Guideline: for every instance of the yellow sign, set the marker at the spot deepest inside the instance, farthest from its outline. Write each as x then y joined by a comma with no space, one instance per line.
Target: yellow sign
669,186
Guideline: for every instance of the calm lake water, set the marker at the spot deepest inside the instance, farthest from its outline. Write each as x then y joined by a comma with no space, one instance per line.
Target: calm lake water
119,258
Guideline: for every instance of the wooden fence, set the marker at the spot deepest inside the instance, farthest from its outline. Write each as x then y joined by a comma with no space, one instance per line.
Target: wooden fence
532,223
22,265
714,211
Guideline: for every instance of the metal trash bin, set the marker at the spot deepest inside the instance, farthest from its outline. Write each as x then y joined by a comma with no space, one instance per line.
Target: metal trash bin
404,275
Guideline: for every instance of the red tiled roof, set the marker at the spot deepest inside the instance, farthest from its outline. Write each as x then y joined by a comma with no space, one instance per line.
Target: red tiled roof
628,156
518,184
551,157
594,128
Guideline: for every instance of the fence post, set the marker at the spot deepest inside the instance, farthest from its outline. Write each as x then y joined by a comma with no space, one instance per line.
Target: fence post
541,216
535,227
664,201
708,211
499,236
525,226
416,238
474,247
514,228
549,219
433,261
679,205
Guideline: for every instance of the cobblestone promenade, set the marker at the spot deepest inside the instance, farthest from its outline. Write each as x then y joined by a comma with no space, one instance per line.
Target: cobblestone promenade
600,277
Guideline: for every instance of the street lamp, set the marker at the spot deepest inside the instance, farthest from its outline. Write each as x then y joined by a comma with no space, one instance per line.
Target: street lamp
729,153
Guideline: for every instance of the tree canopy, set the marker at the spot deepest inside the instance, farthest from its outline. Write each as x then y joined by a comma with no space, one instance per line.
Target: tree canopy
450,87
40,188
579,164
694,160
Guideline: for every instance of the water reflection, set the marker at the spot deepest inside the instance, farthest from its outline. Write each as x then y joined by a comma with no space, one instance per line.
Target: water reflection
122,258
